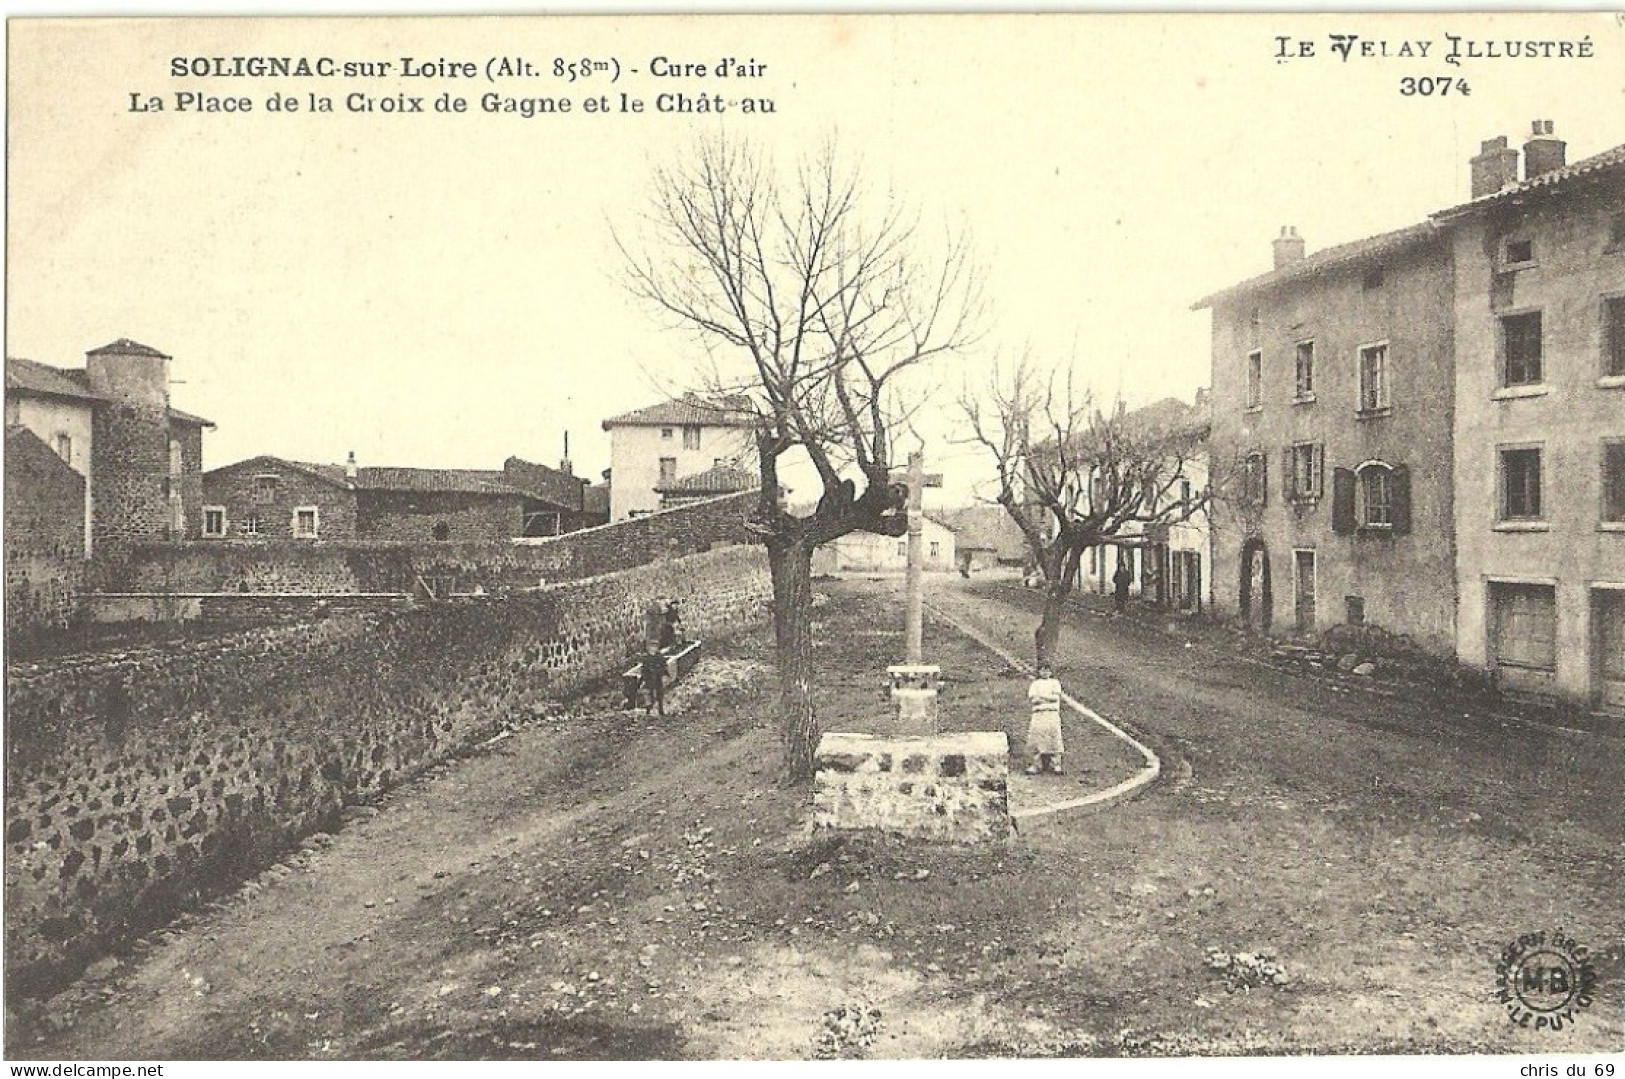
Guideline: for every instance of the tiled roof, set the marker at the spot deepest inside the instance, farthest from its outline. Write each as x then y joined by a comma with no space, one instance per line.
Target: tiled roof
717,480
126,347
1329,258
691,410
434,481
1608,159
187,418
28,376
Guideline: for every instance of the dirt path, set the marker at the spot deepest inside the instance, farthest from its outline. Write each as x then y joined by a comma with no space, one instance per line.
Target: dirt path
600,886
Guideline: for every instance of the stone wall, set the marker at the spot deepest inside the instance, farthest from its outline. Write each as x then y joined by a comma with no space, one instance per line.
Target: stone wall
951,787
438,516
264,513
131,464
44,538
136,782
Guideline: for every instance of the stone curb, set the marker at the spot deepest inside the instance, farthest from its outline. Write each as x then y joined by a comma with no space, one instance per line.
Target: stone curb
1148,772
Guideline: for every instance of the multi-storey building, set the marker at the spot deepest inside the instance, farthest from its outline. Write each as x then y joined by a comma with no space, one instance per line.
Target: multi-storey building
652,448
1443,411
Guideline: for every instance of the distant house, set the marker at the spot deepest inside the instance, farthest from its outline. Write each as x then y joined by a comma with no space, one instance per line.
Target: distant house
720,479
865,552
984,537
269,498
654,447
111,422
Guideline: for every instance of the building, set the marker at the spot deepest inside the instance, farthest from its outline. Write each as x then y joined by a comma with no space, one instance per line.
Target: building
985,537
654,447
866,552
111,422
1540,419
268,498
1442,406
720,479
1170,562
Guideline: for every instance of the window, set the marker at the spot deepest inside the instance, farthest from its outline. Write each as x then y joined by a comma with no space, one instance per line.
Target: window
1255,379
691,436
1303,471
902,548
265,488
1613,337
1520,349
1148,497
1376,498
1254,489
305,521
1184,494
64,447
668,471
1613,481
1520,484
1304,386
250,525
214,521
1518,252
665,434
936,548
1374,378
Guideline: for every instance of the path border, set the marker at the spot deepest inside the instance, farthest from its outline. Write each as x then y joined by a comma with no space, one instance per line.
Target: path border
1149,771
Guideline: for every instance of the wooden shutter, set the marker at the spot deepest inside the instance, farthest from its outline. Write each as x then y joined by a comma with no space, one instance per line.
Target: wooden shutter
1342,501
1317,469
1288,473
1399,500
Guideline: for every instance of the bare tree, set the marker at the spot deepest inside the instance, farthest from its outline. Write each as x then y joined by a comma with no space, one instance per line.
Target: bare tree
1073,477
815,307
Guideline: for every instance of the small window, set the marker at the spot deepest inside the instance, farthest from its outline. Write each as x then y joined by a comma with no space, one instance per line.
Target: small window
1376,490
1373,279
1613,481
214,521
1520,348
265,489
1255,379
1185,493
1304,383
1520,485
668,471
1374,378
936,548
1613,336
250,525
1519,251
1354,610
902,548
1254,485
691,437
305,522
64,447
665,434
1257,317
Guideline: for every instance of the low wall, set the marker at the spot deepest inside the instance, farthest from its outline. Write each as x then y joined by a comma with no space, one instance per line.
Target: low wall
232,608
447,568
137,781
951,787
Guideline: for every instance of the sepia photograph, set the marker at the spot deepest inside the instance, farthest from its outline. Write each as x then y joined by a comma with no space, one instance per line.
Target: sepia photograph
815,537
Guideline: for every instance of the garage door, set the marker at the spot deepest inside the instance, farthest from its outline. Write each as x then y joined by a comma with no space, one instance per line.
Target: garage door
1524,627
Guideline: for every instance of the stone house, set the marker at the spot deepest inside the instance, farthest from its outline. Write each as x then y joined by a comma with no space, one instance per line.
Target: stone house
1540,419
1441,409
111,422
654,447
268,498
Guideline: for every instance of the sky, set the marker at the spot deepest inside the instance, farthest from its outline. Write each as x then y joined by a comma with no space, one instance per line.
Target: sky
444,290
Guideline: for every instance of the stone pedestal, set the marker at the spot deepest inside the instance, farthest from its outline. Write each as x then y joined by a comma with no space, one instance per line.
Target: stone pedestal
952,787
914,692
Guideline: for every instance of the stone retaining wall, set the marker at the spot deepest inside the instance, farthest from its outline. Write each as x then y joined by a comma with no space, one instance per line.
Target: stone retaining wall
137,781
946,786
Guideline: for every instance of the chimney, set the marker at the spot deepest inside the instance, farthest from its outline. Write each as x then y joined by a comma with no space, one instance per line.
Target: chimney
349,467
1495,167
565,465
1543,153
1288,246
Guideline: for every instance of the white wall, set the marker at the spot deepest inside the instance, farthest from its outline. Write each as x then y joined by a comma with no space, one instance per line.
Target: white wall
47,418
634,460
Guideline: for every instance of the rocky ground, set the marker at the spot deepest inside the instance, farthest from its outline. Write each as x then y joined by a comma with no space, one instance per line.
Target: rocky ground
1317,871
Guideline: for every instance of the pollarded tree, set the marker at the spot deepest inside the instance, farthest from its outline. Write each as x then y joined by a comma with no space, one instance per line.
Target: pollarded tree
818,308
1073,477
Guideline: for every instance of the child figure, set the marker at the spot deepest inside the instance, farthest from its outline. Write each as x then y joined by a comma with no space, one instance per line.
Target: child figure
1044,729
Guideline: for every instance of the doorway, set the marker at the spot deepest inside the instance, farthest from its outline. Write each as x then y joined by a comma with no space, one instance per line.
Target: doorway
1608,659
1303,591
1256,600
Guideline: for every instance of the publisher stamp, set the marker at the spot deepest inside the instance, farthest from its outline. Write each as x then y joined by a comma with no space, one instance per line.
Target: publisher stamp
1544,980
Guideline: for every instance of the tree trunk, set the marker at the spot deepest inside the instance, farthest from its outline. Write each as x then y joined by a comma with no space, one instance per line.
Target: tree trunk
790,563
1056,591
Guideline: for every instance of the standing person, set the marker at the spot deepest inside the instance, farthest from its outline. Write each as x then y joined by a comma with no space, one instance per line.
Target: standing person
671,627
654,679
1044,728
1121,580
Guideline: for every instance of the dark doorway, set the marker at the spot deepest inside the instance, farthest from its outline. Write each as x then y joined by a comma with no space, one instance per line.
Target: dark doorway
1256,598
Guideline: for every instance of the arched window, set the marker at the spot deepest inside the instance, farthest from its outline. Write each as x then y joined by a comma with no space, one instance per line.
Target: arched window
1374,495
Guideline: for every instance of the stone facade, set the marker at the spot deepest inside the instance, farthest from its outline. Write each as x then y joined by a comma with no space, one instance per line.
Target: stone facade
259,498
415,517
137,781
44,537
952,787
